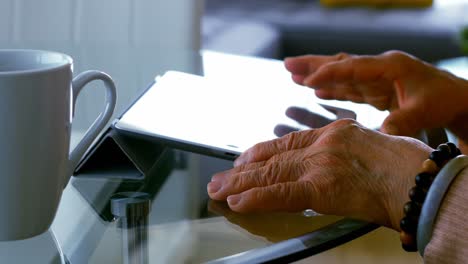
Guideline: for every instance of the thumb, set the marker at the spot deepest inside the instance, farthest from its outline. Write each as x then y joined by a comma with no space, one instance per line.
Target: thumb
402,122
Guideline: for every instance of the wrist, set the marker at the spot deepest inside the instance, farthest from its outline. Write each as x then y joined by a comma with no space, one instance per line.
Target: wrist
402,180
426,181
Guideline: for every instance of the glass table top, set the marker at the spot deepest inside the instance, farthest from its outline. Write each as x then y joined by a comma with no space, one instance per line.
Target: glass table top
172,221
166,216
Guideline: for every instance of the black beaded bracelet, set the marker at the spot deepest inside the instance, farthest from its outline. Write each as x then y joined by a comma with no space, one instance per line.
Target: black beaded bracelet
412,209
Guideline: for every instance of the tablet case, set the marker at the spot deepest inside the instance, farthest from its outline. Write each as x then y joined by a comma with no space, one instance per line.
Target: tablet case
119,155
115,155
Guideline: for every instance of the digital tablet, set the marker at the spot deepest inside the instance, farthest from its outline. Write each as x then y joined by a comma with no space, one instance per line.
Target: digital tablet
212,116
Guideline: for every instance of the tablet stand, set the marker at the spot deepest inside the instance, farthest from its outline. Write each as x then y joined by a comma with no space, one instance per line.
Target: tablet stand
119,155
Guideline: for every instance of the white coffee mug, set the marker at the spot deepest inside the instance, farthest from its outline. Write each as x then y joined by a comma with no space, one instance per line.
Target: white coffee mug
37,101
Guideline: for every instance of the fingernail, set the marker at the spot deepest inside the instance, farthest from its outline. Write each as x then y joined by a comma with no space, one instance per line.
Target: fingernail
233,200
215,178
214,186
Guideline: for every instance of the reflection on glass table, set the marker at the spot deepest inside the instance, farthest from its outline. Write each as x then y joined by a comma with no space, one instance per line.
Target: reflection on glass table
175,222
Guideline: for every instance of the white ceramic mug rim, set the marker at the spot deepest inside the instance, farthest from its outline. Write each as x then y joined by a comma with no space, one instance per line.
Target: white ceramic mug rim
67,62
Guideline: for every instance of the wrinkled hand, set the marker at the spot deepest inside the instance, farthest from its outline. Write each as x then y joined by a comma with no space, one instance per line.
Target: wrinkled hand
341,169
310,119
418,95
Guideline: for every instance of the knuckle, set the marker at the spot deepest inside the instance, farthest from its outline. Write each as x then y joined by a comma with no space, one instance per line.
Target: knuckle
339,132
272,173
279,172
289,140
401,63
345,122
256,149
351,130
396,55
341,56
237,181
269,173
393,53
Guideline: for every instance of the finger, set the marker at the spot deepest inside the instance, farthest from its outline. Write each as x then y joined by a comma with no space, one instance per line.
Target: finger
289,156
339,112
289,196
220,176
273,173
302,66
309,63
375,96
267,149
340,92
281,130
351,70
358,79
404,122
298,78
307,118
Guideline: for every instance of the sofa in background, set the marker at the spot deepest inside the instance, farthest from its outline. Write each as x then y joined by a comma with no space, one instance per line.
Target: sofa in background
279,28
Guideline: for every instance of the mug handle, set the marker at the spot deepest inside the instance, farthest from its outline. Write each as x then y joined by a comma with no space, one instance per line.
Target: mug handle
111,98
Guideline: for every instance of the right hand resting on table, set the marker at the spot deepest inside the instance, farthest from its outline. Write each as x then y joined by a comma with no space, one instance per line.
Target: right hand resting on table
340,169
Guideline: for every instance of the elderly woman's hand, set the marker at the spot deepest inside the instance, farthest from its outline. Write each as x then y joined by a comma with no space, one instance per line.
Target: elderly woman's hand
419,95
341,169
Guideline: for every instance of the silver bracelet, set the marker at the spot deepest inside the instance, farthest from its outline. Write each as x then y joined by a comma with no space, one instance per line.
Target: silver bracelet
434,198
